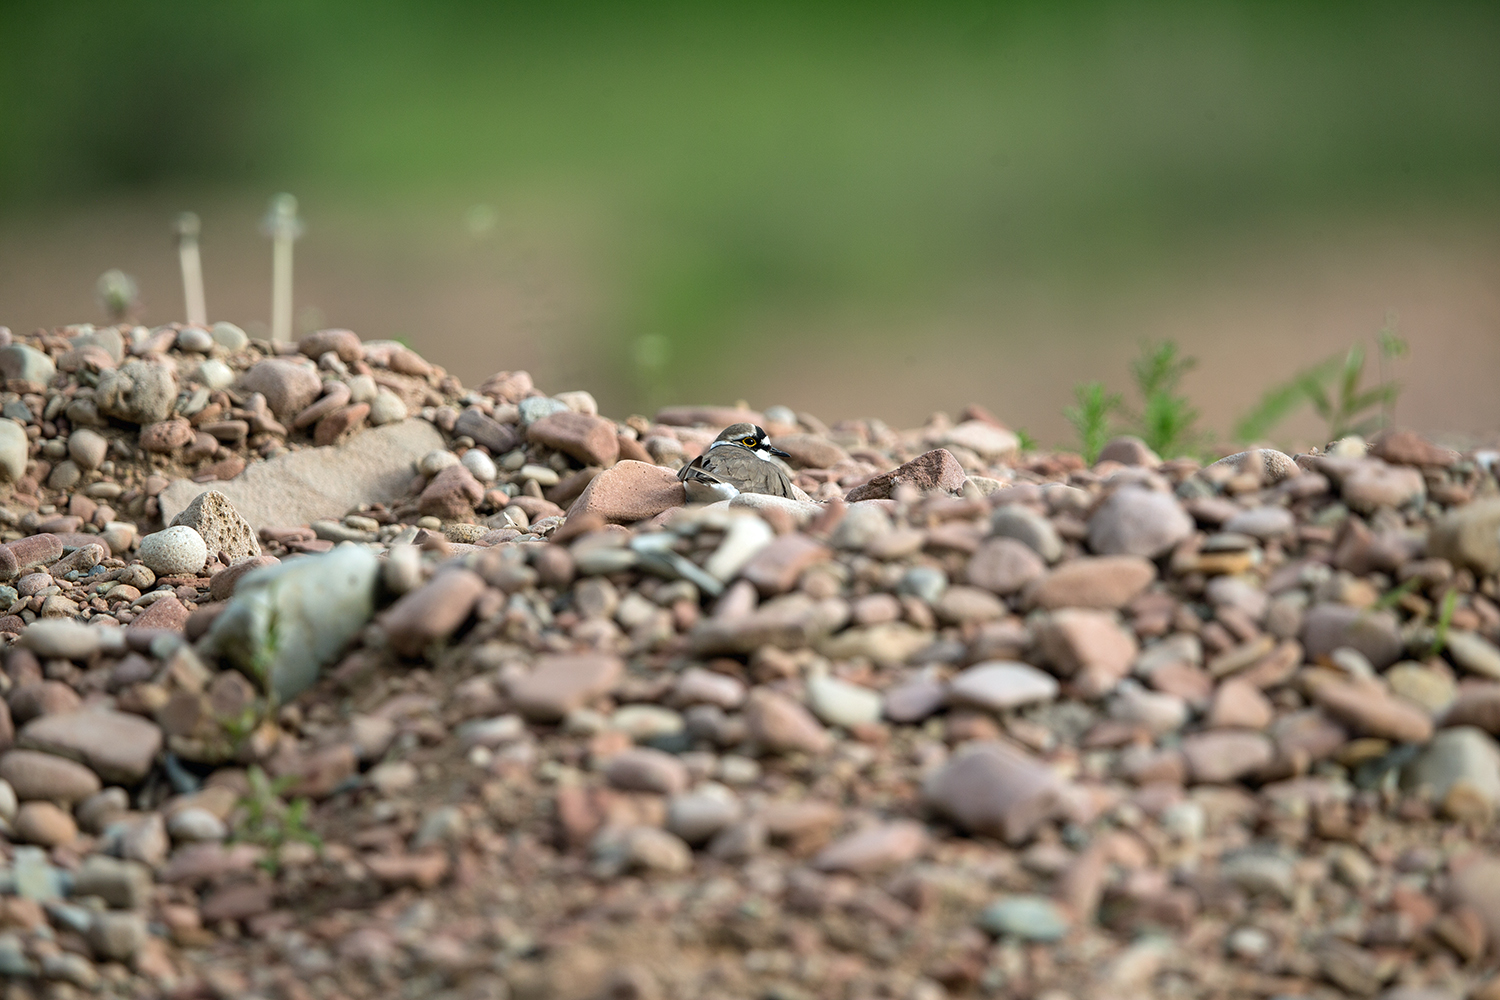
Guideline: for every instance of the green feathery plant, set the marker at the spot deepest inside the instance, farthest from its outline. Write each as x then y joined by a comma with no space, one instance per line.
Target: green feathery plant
1090,418
269,820
1334,388
1166,421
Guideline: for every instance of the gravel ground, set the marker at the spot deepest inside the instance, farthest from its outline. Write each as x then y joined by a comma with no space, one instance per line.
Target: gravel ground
325,676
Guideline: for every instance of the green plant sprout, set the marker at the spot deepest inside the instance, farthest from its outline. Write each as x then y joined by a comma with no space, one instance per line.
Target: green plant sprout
1166,421
1334,389
1445,620
1025,442
270,820
1090,418
1393,597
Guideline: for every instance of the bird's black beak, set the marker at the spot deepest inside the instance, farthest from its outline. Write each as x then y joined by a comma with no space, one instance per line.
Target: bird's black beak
777,451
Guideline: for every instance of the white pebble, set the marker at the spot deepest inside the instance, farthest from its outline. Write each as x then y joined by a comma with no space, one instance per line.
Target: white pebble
481,465
436,461
175,551
386,408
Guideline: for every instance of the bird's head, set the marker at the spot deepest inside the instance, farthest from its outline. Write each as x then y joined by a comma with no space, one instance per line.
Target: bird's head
750,437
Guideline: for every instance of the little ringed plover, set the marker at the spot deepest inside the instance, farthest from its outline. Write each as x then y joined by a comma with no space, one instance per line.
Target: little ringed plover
738,461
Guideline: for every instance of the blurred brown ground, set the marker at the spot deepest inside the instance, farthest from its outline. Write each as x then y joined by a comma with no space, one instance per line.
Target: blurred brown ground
1253,309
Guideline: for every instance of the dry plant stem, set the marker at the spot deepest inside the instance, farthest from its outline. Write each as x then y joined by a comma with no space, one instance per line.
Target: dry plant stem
281,289
192,269
283,227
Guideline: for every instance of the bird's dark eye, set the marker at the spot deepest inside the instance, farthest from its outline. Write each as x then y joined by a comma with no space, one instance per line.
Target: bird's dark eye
748,442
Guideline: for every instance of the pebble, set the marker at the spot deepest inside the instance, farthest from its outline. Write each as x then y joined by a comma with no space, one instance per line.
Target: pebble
1328,626
14,447
696,686
32,775
991,443
559,684
1262,874
840,703
995,790
1469,536
174,551
700,815
87,448
861,524
1373,484
1369,710
590,439
876,848
1238,704
644,723
63,639
214,374
1029,528
1138,522
1474,653
432,613
1263,523
1026,917
628,492
288,386
196,826
643,769
1155,711
1090,648
1106,582
1004,566
780,725
118,746
1460,768
656,850
1002,685
451,495
44,824
1226,755
116,937
933,470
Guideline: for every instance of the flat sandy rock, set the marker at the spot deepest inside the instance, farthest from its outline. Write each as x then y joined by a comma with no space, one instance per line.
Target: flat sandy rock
313,484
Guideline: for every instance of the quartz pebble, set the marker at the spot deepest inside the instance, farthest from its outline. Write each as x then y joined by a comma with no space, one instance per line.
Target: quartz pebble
173,551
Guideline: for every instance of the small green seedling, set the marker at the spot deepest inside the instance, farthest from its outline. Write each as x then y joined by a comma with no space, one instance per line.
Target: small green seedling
1091,418
1334,389
269,820
1167,420
1444,622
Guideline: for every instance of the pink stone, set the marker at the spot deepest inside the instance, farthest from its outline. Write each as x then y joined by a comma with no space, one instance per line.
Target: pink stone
431,613
452,494
628,492
933,470
1108,582
590,439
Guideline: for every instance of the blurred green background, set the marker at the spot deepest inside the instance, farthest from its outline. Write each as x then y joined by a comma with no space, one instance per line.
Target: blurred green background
858,209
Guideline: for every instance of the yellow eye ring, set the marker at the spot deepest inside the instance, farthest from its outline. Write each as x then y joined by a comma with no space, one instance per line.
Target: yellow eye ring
748,442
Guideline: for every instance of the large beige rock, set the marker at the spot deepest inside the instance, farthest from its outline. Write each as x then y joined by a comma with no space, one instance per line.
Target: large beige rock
220,526
313,484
